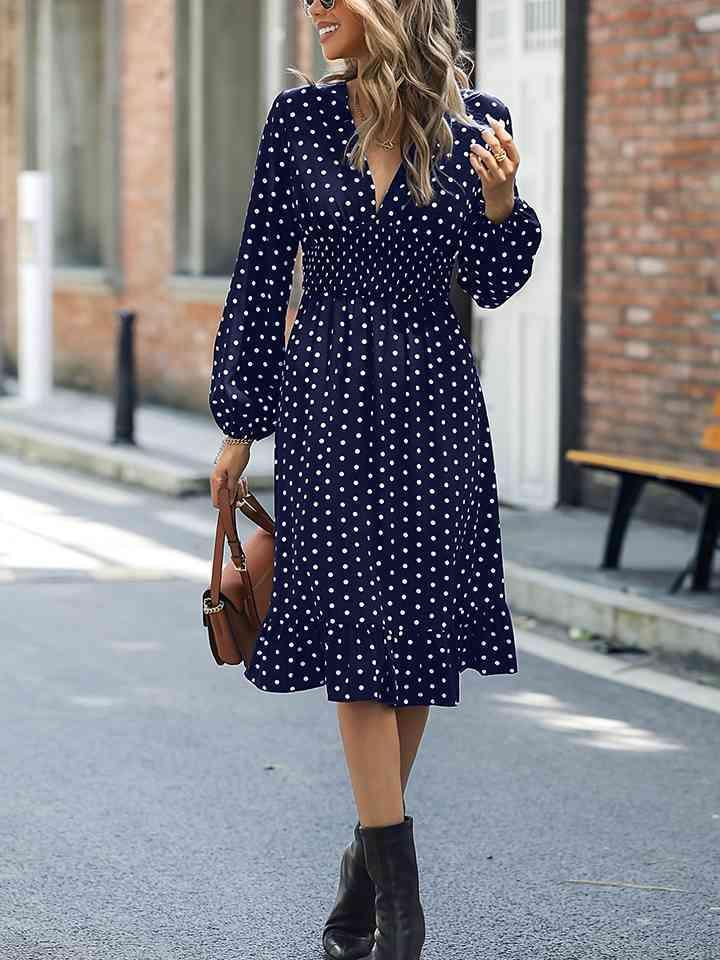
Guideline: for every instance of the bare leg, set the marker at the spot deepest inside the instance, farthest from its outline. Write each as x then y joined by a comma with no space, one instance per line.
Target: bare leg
411,723
371,741
380,745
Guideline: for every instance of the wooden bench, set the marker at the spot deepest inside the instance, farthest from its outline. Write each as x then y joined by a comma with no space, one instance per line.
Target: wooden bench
699,482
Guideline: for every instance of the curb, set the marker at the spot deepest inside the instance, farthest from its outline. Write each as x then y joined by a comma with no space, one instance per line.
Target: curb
616,614
128,465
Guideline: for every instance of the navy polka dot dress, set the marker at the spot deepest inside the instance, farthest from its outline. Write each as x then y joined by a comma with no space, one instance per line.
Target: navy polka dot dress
388,579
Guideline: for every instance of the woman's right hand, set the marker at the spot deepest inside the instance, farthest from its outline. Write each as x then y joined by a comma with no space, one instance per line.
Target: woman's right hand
228,470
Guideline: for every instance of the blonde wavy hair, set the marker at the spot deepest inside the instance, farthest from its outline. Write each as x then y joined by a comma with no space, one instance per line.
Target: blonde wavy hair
415,56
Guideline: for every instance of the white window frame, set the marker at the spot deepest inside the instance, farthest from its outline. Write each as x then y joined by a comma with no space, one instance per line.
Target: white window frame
196,284
107,277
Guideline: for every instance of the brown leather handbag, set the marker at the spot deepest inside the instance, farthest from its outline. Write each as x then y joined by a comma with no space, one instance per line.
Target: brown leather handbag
238,598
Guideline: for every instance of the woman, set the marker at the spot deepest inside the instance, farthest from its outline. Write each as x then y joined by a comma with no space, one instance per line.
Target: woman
388,577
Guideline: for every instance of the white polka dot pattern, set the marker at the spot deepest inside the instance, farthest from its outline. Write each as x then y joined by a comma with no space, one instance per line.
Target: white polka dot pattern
388,577
250,343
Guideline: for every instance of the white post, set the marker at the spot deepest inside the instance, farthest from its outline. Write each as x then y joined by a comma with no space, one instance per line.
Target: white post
273,77
35,328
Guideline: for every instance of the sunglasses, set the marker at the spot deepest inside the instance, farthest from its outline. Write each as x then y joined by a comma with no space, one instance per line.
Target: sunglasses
326,5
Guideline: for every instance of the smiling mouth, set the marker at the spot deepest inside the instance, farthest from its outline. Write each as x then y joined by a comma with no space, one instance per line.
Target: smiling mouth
328,31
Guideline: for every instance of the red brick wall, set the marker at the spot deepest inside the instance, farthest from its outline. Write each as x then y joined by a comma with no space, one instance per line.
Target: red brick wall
652,298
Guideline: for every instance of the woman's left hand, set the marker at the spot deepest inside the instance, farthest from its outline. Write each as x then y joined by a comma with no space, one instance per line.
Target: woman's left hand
497,179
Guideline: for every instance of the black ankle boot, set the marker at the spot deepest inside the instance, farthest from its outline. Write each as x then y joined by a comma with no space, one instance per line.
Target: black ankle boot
348,931
392,865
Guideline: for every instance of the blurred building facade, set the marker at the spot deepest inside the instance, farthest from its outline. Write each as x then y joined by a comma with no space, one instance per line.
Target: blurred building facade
148,115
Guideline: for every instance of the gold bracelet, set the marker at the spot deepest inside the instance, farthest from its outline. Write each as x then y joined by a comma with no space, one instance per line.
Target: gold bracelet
228,440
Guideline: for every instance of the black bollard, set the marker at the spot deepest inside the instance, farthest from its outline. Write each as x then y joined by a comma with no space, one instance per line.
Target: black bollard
125,393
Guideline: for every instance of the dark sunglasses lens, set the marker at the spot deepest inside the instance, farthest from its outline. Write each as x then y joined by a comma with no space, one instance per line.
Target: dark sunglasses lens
327,5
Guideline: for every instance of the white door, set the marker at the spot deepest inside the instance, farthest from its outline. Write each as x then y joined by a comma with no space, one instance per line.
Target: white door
519,59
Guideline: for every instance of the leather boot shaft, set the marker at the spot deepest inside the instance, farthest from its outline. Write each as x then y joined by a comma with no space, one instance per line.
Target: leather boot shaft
348,930
392,864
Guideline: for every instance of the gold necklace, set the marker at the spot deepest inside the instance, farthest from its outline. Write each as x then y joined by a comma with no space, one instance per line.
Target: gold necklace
388,144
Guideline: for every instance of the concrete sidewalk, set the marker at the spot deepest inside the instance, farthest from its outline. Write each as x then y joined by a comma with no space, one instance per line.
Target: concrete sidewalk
551,556
552,572
174,449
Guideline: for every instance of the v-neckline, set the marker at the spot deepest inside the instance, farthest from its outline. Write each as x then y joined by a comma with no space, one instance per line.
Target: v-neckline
399,170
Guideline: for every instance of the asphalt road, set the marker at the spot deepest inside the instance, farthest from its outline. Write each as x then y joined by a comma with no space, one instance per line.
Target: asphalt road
154,805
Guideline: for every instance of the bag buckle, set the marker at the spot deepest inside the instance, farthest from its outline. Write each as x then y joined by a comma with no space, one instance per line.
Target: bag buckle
208,608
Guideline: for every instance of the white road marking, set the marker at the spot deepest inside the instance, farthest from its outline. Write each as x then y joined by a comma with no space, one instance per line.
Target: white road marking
13,506
38,535
94,700
22,550
115,572
189,522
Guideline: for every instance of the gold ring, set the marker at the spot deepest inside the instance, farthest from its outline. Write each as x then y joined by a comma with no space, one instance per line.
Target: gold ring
500,155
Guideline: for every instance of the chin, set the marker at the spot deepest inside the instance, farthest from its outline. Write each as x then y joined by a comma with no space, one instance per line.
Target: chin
336,53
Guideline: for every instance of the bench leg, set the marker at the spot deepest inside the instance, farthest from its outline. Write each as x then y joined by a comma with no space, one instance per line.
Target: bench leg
628,492
707,538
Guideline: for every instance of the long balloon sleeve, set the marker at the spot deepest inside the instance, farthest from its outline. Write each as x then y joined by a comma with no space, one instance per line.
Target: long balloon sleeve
496,259
249,346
